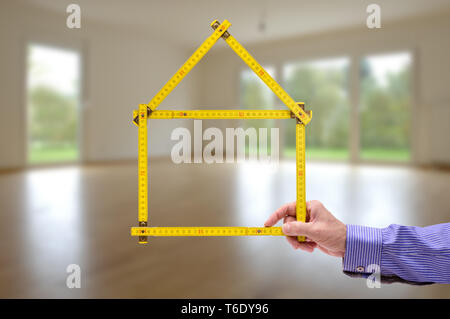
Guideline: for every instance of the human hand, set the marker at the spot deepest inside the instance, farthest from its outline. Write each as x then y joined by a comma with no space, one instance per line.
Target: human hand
322,229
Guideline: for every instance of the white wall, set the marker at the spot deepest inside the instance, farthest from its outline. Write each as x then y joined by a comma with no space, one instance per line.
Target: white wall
428,38
122,68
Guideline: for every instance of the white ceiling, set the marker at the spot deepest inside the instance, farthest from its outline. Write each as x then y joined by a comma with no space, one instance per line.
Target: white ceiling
187,22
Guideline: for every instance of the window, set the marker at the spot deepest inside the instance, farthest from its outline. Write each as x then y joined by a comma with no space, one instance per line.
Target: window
323,86
53,93
385,107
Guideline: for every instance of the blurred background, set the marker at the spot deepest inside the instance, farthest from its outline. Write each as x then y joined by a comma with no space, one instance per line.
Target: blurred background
377,146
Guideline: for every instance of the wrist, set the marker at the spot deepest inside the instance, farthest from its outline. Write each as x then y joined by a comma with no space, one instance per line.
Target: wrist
342,239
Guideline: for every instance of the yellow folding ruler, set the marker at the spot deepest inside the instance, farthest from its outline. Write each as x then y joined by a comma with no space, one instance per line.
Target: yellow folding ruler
148,111
217,114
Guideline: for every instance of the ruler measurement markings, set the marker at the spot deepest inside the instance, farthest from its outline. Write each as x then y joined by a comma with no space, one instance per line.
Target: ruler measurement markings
206,231
300,180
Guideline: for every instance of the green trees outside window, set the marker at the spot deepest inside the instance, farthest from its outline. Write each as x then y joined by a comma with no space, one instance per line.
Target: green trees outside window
52,104
384,106
323,86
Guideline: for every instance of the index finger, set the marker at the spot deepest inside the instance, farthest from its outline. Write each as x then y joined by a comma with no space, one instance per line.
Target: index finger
280,213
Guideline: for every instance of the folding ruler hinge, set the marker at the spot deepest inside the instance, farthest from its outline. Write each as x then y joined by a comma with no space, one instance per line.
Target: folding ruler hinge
215,24
302,106
143,239
136,115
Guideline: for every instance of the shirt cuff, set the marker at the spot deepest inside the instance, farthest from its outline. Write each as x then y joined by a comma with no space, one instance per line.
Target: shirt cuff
363,249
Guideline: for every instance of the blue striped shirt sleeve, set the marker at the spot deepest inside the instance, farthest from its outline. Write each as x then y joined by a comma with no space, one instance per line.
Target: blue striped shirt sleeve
414,254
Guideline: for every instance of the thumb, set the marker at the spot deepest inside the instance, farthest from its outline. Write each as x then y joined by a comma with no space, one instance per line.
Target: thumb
297,229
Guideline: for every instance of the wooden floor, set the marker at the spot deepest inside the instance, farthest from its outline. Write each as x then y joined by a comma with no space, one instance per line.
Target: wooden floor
51,218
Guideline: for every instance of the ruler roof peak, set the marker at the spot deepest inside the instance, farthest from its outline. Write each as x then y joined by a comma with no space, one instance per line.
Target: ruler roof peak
221,31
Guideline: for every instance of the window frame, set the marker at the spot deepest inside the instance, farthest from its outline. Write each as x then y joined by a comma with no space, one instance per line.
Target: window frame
55,41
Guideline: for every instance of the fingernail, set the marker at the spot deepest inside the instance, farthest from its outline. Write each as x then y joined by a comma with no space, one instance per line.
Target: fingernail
286,228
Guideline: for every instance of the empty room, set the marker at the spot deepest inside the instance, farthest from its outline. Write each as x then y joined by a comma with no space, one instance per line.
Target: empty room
240,149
